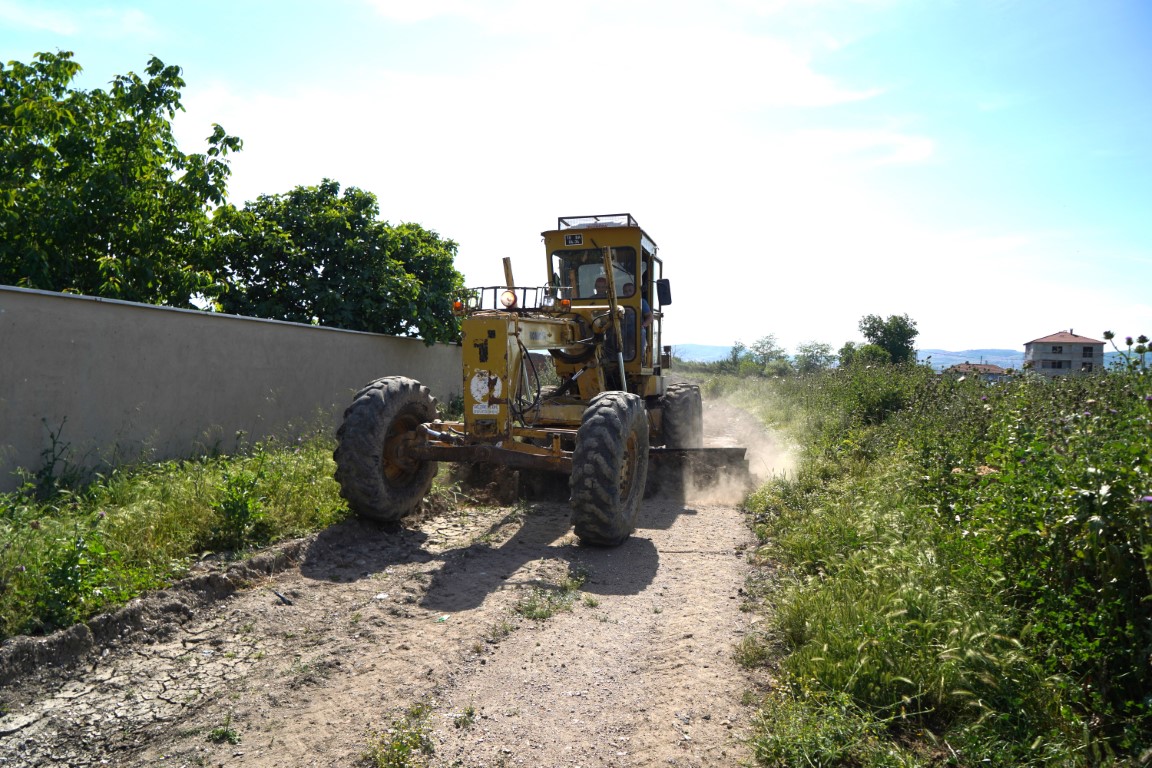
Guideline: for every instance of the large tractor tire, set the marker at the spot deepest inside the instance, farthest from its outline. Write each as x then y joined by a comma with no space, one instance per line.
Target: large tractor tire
609,468
683,417
377,477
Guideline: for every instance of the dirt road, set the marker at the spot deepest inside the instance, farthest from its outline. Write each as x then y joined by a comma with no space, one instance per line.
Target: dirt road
360,625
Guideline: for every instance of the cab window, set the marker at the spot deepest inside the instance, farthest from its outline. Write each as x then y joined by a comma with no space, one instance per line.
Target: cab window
575,272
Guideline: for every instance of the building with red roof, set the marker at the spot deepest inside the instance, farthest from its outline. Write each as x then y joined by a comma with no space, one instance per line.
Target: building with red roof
986,371
1063,353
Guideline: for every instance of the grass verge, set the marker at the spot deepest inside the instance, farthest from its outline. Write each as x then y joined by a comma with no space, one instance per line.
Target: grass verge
965,571
68,553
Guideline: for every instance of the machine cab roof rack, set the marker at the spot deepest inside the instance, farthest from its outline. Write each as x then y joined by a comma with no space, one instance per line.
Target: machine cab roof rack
590,222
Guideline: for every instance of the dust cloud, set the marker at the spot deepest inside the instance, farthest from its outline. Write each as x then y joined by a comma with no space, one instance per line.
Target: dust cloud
728,426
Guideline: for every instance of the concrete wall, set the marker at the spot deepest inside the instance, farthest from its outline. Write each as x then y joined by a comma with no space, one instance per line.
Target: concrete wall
129,380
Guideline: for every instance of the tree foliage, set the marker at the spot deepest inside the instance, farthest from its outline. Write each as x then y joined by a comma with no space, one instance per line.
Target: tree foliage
896,336
95,195
314,255
813,357
863,354
766,350
765,357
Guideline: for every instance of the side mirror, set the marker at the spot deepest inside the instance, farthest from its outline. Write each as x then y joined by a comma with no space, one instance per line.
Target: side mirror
664,291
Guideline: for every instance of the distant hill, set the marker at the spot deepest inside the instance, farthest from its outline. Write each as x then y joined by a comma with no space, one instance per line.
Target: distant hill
941,358
700,353
1005,358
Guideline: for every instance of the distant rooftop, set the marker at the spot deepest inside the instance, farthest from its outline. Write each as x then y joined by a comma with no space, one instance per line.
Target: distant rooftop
1068,337
975,368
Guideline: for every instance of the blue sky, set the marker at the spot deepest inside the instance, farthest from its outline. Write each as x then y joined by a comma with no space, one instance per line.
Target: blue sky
981,165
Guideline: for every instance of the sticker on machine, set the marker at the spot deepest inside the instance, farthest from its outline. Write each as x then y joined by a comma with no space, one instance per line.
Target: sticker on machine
483,388
480,409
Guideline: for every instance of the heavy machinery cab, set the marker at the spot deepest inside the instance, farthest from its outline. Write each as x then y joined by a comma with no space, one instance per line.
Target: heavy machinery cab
579,271
605,282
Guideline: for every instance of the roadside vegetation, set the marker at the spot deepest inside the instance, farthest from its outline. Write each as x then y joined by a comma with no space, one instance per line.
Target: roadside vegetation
69,551
962,572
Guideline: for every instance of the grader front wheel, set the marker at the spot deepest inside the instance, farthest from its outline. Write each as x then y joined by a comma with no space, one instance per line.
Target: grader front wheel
610,466
377,476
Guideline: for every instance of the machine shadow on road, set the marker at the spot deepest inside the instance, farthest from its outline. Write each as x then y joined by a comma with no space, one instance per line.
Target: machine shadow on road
661,512
357,549
471,573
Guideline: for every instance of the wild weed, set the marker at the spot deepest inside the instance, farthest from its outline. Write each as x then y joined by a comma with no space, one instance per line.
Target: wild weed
544,602
465,719
404,744
968,563
80,551
224,733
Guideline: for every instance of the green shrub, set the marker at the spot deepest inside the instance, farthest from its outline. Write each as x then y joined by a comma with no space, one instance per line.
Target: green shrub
78,552
822,730
970,563
406,742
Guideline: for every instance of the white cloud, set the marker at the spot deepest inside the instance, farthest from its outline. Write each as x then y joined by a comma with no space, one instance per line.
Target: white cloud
35,17
765,227
101,22
665,52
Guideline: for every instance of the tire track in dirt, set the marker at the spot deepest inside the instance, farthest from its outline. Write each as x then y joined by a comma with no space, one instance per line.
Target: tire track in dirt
645,677
300,665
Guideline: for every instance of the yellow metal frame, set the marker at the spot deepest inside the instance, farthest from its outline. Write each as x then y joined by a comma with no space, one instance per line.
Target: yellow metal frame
497,425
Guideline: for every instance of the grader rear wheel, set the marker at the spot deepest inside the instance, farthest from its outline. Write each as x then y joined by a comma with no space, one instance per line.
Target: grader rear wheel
610,466
683,417
377,476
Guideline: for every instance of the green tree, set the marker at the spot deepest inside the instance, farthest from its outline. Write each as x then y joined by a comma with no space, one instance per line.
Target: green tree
813,356
896,336
847,354
780,367
863,354
737,356
872,354
766,350
314,255
95,195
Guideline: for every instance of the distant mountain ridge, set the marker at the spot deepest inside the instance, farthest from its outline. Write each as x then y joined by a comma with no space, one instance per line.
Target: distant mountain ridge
940,358
701,353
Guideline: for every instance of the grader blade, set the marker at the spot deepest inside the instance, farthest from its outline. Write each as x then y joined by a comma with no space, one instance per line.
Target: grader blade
678,472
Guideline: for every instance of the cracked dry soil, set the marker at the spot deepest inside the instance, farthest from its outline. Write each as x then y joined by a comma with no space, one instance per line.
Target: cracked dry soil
299,655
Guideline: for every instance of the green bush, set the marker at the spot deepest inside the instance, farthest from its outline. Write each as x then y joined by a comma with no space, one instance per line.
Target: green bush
969,563
78,552
810,729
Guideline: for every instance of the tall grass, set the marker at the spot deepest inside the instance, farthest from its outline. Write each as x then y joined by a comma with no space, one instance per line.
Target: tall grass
78,552
966,569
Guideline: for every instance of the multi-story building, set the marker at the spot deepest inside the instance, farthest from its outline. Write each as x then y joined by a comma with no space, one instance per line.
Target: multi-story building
1064,353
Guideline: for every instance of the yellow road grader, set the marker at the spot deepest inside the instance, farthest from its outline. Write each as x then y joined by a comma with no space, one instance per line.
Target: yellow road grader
598,322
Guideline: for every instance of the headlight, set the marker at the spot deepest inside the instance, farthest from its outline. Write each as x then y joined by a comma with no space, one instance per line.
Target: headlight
508,299
548,301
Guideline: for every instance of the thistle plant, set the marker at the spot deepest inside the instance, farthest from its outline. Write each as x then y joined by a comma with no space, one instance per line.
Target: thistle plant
1136,352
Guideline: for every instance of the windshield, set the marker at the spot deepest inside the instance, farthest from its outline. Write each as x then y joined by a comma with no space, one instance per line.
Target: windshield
579,274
